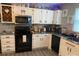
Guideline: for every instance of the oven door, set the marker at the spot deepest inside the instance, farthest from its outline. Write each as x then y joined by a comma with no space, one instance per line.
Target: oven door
23,40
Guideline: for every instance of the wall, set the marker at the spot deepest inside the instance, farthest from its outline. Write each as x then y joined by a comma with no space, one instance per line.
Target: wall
71,11
6,27
51,6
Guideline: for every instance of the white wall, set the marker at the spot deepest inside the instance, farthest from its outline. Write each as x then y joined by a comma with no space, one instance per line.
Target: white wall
6,27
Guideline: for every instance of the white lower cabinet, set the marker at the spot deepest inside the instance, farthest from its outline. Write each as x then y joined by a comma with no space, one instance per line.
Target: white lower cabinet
68,48
7,44
40,40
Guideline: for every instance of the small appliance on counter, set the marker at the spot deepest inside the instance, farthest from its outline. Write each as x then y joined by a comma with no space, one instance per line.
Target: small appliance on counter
53,28
23,35
57,29
39,28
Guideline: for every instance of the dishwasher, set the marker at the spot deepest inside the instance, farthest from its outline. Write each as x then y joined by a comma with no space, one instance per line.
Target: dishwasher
55,43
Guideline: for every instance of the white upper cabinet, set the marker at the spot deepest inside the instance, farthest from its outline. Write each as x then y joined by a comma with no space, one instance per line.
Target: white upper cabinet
17,10
47,16
30,12
42,16
37,16
57,17
50,15
23,10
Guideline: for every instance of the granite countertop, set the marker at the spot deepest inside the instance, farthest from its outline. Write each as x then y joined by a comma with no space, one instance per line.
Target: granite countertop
71,39
10,33
41,33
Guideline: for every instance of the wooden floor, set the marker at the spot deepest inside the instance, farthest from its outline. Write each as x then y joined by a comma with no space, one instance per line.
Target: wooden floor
35,52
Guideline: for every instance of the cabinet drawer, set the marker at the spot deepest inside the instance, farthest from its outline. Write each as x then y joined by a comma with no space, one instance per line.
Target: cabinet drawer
9,45
7,37
9,50
7,42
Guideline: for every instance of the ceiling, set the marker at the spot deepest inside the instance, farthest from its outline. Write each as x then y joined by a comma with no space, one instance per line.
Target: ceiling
52,6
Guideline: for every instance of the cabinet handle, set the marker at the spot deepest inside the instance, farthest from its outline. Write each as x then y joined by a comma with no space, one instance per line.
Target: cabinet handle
8,49
40,21
46,11
41,39
37,36
8,42
7,37
45,21
67,48
70,49
7,46
32,10
23,11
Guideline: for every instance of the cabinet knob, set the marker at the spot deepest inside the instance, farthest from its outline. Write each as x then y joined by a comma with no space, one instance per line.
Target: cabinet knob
7,37
70,49
45,21
41,39
67,48
8,42
46,11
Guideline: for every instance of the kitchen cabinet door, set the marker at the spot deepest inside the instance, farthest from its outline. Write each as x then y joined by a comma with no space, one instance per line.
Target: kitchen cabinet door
49,18
57,17
7,14
35,41
17,10
46,40
0,13
30,12
63,48
74,50
7,44
23,11
49,41
37,16
68,48
43,16
40,40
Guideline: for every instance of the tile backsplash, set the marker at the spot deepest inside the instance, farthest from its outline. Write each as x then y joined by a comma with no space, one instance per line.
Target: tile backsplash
6,27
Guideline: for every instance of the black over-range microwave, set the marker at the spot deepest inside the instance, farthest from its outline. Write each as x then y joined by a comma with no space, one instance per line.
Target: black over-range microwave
23,19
